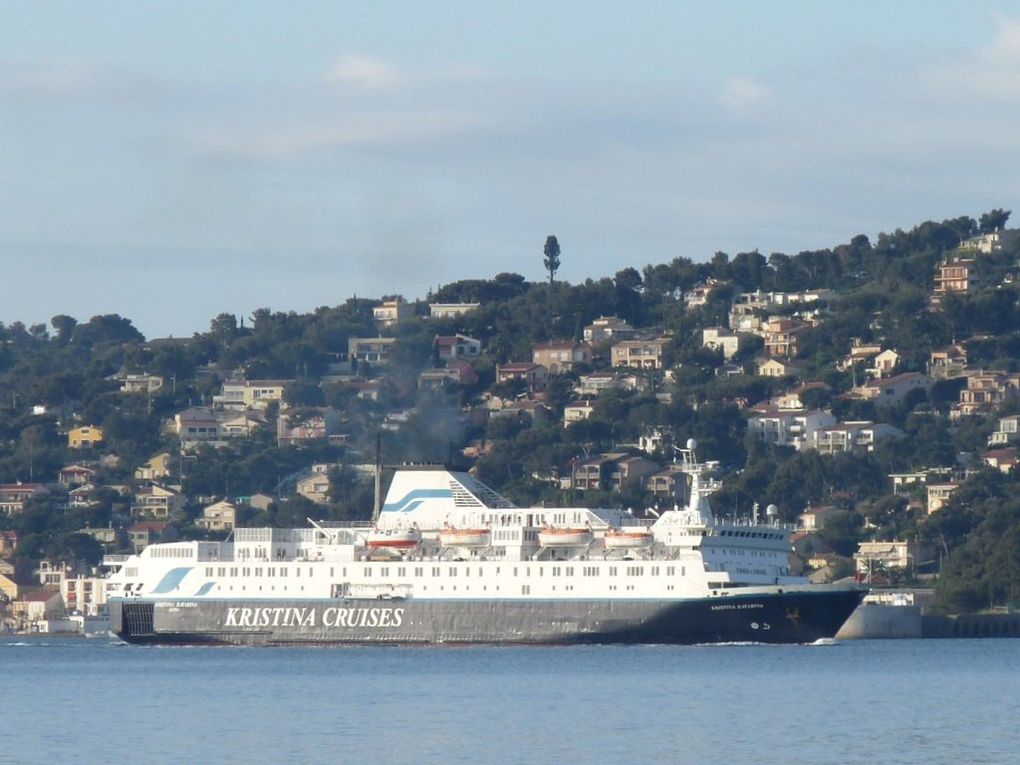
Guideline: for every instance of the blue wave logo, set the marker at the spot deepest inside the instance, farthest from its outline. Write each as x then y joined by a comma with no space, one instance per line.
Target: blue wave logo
413,499
171,581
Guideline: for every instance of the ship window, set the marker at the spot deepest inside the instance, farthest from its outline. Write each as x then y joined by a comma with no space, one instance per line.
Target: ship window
258,572
453,571
297,571
435,571
367,572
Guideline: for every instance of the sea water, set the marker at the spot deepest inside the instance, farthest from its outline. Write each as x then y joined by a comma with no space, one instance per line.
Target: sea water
912,701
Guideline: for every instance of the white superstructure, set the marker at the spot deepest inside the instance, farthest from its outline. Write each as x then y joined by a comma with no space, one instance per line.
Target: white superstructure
444,535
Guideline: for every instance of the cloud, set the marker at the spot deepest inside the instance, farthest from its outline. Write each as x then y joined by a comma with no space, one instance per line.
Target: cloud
740,93
344,131
366,72
68,78
992,71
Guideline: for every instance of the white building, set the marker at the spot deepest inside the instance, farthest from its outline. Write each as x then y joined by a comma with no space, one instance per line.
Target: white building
720,338
855,435
789,427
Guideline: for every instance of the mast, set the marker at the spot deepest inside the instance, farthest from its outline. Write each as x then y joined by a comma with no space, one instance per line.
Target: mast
377,505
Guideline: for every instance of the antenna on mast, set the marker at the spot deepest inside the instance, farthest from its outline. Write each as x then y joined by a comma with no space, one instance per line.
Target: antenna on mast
377,505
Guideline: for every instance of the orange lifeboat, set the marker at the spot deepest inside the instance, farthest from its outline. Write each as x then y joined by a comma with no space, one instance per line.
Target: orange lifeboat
451,537
550,537
628,539
393,539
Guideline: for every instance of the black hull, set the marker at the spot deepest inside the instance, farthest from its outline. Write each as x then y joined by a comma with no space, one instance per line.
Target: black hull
800,616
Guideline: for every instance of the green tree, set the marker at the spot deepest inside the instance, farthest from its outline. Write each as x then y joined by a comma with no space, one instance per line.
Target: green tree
993,220
552,257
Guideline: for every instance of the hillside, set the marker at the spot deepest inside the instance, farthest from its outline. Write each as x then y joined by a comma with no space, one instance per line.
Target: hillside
869,391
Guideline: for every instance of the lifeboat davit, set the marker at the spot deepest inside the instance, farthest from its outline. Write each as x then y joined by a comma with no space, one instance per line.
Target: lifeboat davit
550,537
628,539
393,539
450,537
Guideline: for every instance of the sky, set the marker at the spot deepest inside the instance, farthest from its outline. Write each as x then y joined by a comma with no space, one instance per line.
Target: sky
173,161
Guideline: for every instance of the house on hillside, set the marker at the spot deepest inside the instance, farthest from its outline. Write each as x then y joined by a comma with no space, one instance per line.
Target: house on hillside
781,368
860,353
721,339
794,398
560,355
306,425
576,411
1003,460
888,555
135,383
701,293
8,542
314,486
1007,432
859,435
373,350
250,394
668,484
608,328
596,383
156,502
788,427
890,391
947,362
611,471
75,475
144,533
533,375
814,517
640,354
782,336
451,310
13,496
985,391
885,363
84,437
457,347
219,516
938,494
389,313
158,466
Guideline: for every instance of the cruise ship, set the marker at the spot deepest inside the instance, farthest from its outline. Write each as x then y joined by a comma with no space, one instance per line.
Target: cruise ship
449,560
